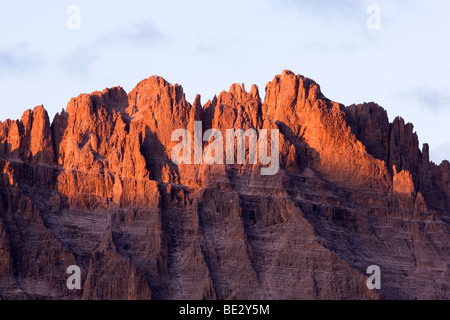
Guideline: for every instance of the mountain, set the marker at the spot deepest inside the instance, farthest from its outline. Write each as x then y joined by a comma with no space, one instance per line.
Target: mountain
97,188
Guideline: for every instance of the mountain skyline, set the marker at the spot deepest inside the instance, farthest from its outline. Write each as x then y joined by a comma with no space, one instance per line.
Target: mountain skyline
441,151
207,45
96,188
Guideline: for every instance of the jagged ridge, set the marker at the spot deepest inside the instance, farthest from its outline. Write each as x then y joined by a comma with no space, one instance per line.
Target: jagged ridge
97,188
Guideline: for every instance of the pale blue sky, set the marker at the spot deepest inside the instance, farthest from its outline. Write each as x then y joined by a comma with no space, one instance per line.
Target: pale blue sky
208,45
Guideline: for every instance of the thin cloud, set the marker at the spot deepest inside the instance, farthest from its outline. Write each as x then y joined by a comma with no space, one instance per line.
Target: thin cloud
433,99
347,8
440,153
143,33
83,58
79,62
324,48
19,58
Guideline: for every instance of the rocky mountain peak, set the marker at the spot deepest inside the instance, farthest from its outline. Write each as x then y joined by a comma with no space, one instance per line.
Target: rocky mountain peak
97,188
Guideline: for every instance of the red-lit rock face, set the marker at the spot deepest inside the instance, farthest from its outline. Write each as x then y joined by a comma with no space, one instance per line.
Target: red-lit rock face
98,188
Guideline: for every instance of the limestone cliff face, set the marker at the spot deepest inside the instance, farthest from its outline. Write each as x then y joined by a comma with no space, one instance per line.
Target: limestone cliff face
97,188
